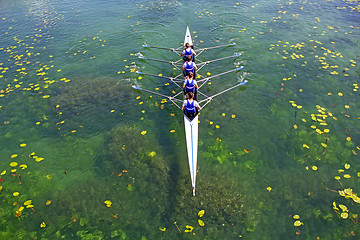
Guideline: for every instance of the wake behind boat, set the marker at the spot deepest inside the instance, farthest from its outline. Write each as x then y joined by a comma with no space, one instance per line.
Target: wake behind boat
191,124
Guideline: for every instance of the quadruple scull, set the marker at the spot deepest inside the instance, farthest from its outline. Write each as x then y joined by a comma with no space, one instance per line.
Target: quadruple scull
191,125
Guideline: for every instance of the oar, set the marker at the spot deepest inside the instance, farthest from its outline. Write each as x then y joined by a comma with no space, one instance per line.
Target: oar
170,78
209,99
201,50
154,75
159,60
177,51
159,94
201,65
204,80
147,46
164,61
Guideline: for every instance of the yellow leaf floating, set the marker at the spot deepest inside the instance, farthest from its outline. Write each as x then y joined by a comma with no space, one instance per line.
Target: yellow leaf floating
314,168
23,145
23,166
201,223
296,216
233,116
13,164
269,188
295,126
305,146
108,203
343,208
28,202
3,172
344,215
324,145
43,224
172,131
39,159
334,206
14,156
15,194
189,228
152,154
46,96
143,132
347,166
347,176
163,229
201,213
298,223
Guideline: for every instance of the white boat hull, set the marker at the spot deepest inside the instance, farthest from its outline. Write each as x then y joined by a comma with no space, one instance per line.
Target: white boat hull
188,37
191,132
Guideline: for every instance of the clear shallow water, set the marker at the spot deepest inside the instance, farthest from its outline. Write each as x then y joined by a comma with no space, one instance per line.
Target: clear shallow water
292,51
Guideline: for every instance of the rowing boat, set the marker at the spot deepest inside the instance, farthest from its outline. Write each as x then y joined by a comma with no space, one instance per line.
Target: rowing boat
191,132
191,125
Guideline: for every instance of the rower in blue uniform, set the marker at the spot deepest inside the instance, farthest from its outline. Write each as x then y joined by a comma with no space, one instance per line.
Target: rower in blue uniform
188,51
189,66
190,85
190,106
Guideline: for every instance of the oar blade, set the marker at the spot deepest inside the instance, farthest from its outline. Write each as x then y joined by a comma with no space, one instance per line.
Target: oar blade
243,82
136,87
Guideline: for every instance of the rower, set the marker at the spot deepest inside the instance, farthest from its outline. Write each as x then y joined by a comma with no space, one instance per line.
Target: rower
190,106
188,51
189,66
190,85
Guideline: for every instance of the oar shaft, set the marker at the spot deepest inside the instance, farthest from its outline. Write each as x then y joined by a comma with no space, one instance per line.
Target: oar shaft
204,49
205,80
171,49
154,75
157,60
159,94
169,78
226,90
219,59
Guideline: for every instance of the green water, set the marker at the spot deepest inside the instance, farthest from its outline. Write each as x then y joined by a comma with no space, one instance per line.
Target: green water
263,159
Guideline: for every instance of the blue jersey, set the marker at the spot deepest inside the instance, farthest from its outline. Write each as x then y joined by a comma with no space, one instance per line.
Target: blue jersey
190,85
190,106
188,52
189,67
